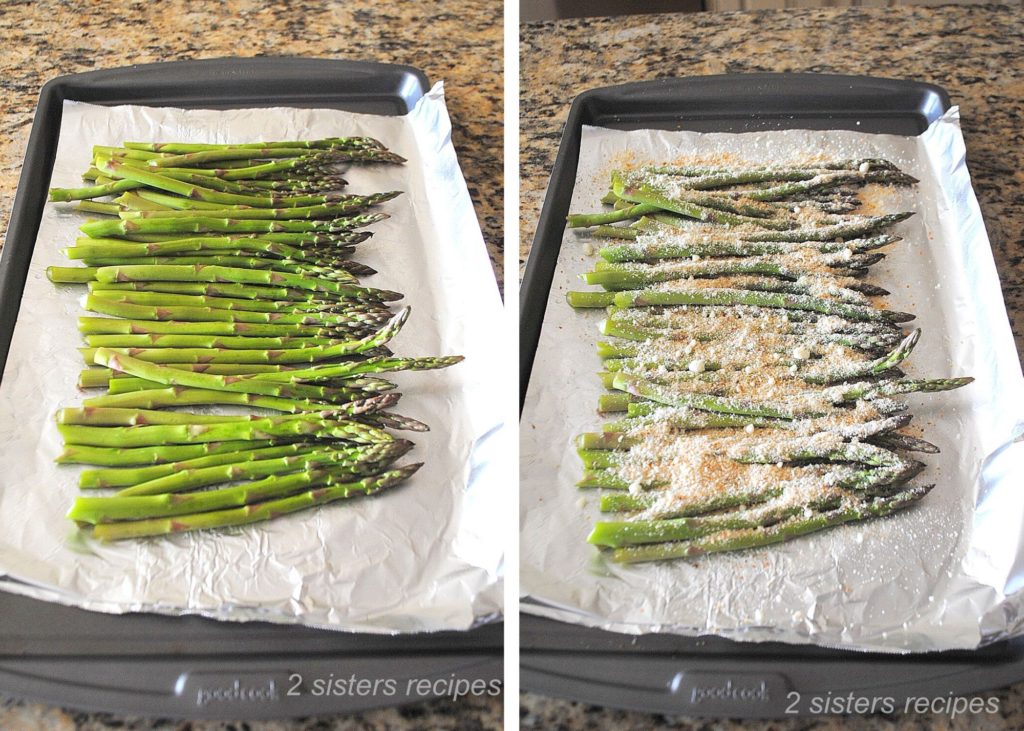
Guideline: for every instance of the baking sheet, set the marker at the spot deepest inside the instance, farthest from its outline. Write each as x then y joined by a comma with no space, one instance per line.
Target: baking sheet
422,557
945,574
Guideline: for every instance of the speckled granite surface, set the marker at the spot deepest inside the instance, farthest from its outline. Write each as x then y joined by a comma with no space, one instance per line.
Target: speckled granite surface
476,714
458,42
976,53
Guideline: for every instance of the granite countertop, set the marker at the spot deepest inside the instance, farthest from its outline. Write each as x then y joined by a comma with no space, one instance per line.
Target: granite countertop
975,52
457,42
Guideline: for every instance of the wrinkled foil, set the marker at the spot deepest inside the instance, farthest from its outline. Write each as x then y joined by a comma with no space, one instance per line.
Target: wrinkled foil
947,573
421,557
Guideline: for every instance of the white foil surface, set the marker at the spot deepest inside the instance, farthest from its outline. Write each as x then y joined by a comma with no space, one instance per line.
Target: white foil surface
421,557
947,573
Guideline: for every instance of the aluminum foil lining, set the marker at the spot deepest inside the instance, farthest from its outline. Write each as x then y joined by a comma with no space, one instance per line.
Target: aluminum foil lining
423,557
947,573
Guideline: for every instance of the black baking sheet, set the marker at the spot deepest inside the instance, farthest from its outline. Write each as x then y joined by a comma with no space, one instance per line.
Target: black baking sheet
162,666
714,676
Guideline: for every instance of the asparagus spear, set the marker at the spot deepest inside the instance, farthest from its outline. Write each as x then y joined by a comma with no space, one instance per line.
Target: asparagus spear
686,205
328,270
348,370
784,409
145,342
213,289
200,273
323,210
121,169
615,534
852,227
656,250
647,298
166,397
255,430
154,454
174,377
222,303
70,275
91,479
180,313
87,248
332,155
300,239
353,389
305,354
358,460
178,148
123,416
635,276
204,224
783,531
229,326
254,512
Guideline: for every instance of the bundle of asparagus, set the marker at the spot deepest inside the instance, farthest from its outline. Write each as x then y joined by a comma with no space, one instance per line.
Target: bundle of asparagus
223,277
755,370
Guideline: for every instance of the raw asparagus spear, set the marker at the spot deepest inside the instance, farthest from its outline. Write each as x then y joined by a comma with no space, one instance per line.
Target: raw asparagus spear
254,512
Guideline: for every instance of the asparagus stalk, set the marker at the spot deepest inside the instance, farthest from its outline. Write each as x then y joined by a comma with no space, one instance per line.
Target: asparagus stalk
783,531
200,273
327,269
146,342
243,384
222,303
615,534
167,397
205,224
70,275
852,227
693,204
254,512
635,276
307,354
255,430
353,389
323,210
348,370
306,239
112,326
657,250
124,416
154,454
227,290
331,155
121,169
621,502
89,248
179,313
178,148
647,298
350,461
92,479
784,409
133,503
